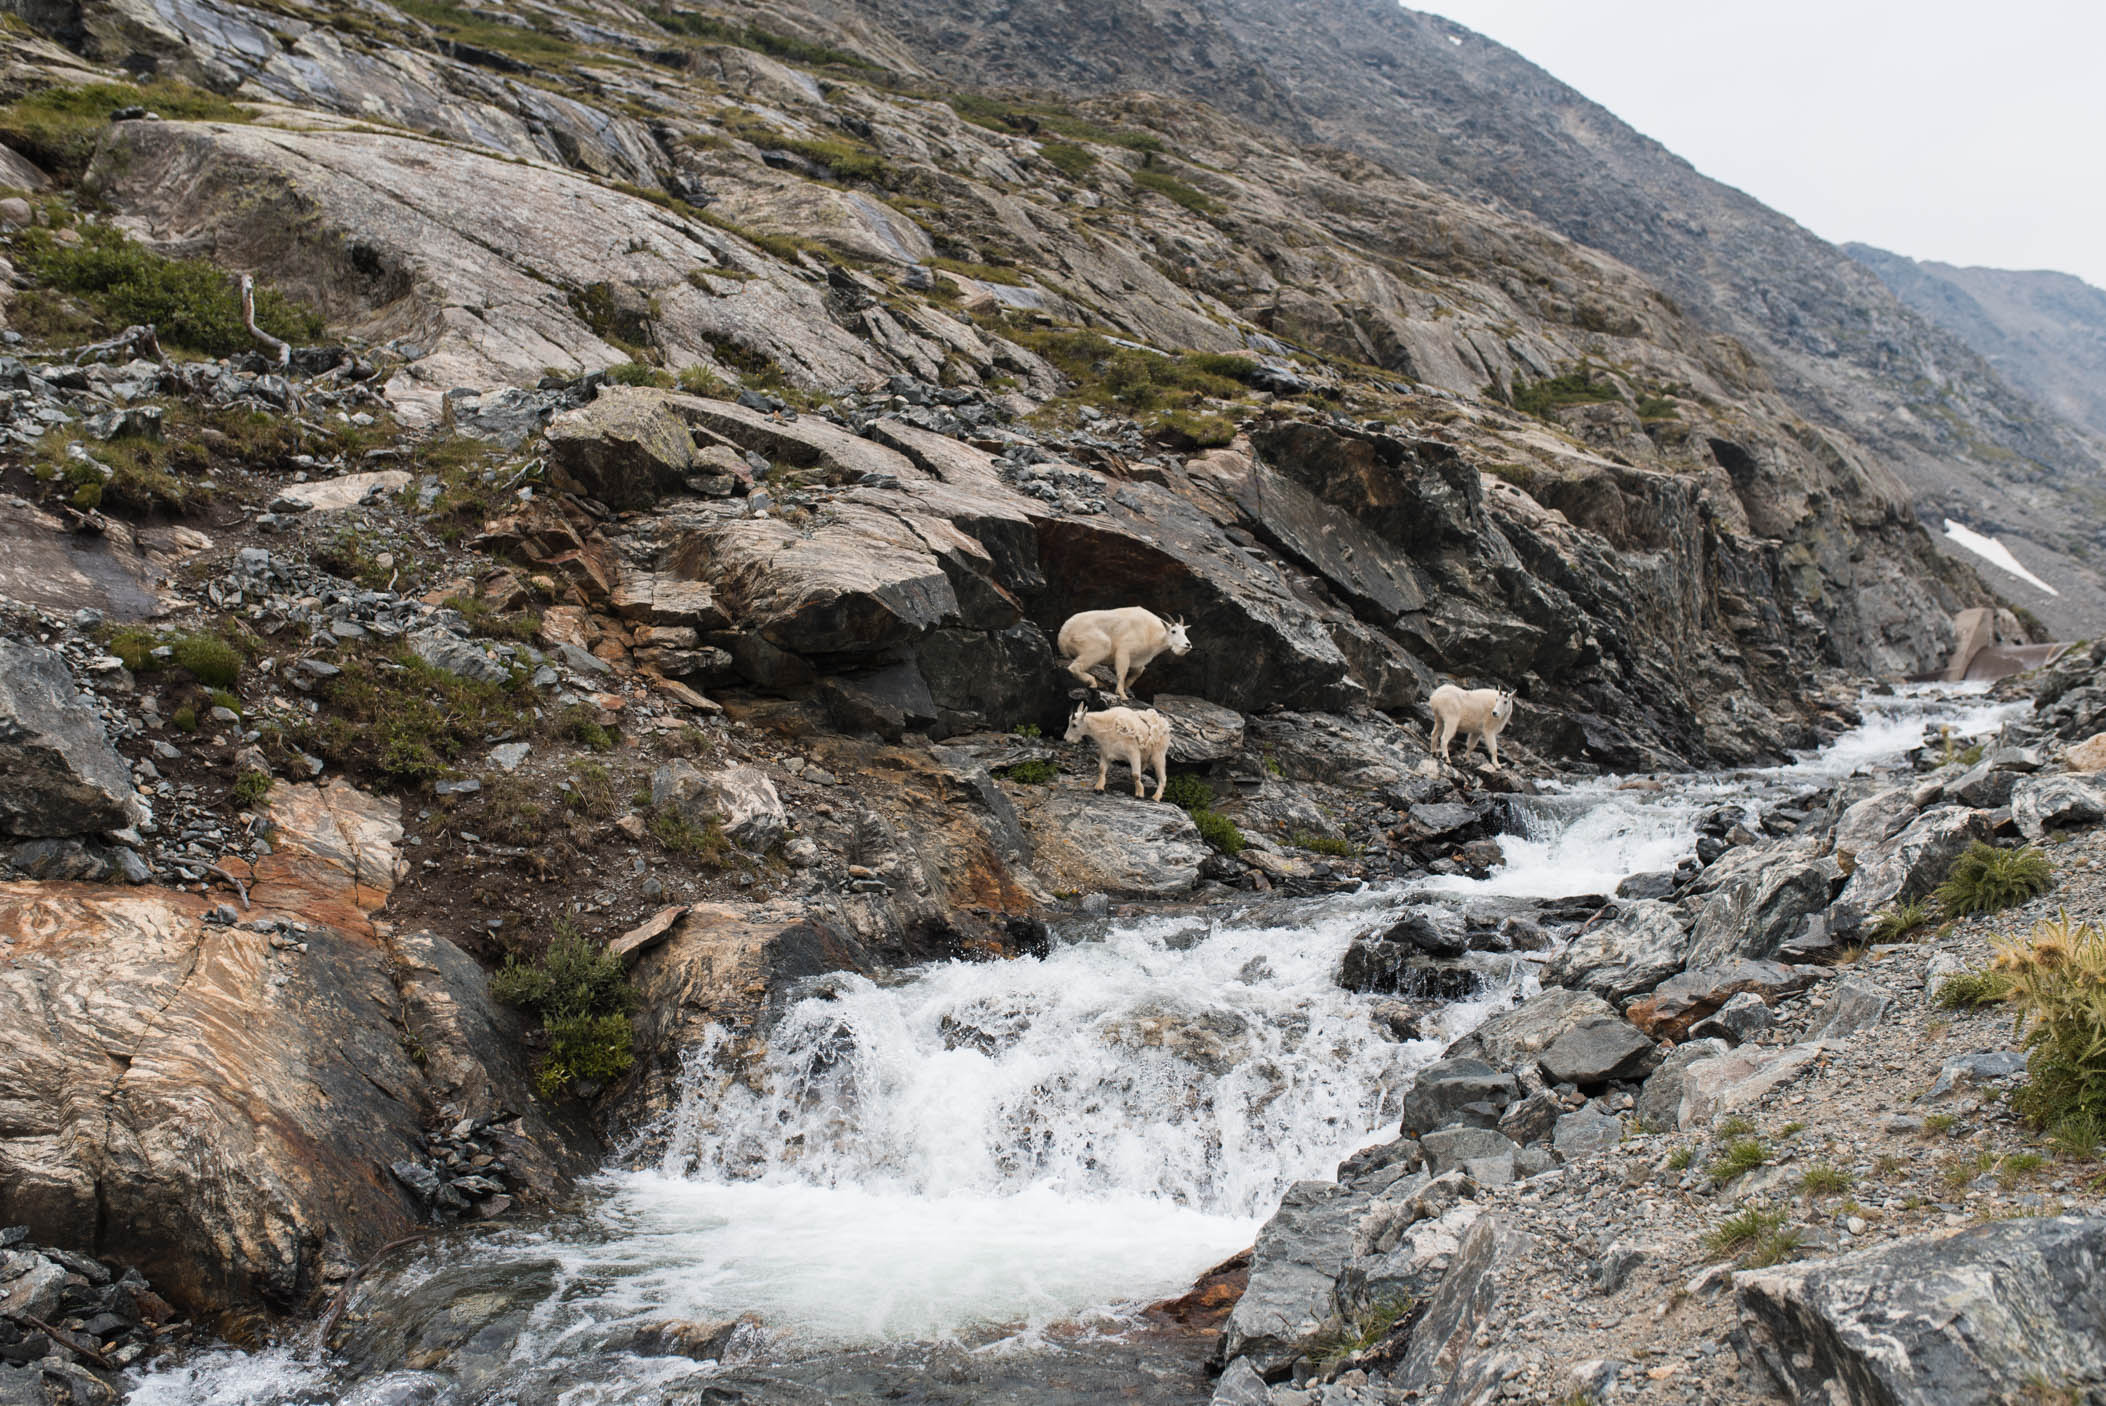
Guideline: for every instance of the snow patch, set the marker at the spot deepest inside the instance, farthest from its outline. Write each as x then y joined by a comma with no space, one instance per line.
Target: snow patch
1993,552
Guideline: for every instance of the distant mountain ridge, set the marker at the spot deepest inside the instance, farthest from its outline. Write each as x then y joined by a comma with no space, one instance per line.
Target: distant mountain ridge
2043,331
1437,101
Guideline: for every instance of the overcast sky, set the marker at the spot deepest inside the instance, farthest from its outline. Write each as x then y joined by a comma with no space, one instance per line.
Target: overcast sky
1940,129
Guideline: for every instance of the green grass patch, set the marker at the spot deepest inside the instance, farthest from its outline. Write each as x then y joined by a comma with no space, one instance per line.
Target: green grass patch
705,842
1898,920
1175,191
1737,1233
250,788
582,998
1070,160
1188,430
391,719
712,30
495,625
1579,386
1988,880
1680,1159
1038,772
1115,377
1033,118
194,305
1323,844
1823,1179
1658,407
1219,831
531,43
580,723
1737,1160
59,127
639,373
982,273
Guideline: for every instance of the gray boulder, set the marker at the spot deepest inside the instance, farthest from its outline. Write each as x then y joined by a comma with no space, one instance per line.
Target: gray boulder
1914,861
1738,1021
1111,844
1293,1274
1874,820
1760,911
1200,731
2009,1311
1516,1038
1599,1052
741,799
1633,952
1583,1134
451,654
1965,1073
2059,801
59,775
624,449
1857,1004
1681,1001
1660,1101
1984,788
1450,1149
1487,1267
1448,1085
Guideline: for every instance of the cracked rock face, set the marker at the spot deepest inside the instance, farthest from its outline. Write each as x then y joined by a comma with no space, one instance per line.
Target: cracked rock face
59,775
219,1101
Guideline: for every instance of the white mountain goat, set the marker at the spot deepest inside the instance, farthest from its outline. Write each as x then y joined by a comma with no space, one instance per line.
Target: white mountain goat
1126,639
1129,735
1481,713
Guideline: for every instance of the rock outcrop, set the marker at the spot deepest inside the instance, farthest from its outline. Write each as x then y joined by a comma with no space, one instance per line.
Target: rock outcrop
58,773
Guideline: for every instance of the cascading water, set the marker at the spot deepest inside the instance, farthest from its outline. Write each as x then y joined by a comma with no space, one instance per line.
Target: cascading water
977,1152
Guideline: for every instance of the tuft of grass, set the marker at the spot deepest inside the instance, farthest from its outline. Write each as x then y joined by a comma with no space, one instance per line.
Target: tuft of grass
529,43
2015,1168
1823,1179
1940,1124
211,660
1741,1230
1219,831
639,373
711,29
1988,880
1342,1340
580,723
492,624
2077,1136
58,128
706,842
1900,919
1738,1159
184,718
592,791
1679,1159
1003,115
393,719
1070,160
1774,1247
195,306
1735,1126
1113,377
1186,429
582,997
250,788
1575,387
1177,192
1967,990
1037,772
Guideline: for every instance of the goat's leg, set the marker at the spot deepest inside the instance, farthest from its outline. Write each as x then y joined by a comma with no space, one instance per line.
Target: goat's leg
1103,767
1491,746
1442,731
1133,761
1082,666
1162,771
1120,657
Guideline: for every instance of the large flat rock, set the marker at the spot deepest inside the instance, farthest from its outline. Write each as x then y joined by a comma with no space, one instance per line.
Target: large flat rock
1103,842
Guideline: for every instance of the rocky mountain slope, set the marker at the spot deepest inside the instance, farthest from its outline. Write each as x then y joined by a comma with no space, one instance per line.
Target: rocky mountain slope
1433,100
2044,332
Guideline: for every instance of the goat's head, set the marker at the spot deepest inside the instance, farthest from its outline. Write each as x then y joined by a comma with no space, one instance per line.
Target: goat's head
1180,642
1504,708
1081,715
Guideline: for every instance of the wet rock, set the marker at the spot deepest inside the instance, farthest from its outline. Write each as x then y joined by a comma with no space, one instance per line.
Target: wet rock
2040,804
1084,842
1516,1038
1682,1000
1446,820
1914,861
1740,1020
1597,1052
1643,945
1294,1269
1425,932
1448,1085
1855,1004
1660,883
59,775
1988,1314
624,449
1755,914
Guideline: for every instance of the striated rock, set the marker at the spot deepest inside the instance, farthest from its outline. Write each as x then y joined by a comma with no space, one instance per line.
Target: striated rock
1087,842
624,449
2040,804
1446,1086
1873,820
1855,1004
1451,1149
1200,731
2087,756
1660,1102
1727,1083
1989,1314
1740,1020
1757,913
1643,945
741,799
1518,1037
449,652
1681,1001
59,775
1293,1271
1445,1338
1584,1133
1914,861
221,1110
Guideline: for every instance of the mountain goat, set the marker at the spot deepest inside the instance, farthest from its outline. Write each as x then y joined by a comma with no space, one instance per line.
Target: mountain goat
1126,639
1481,713
1129,735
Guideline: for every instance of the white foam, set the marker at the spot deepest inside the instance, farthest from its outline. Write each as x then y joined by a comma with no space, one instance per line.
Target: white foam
1994,552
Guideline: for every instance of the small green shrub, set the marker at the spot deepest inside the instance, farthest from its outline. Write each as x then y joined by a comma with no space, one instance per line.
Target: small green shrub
1940,1124
706,842
1175,190
1344,1339
1070,160
250,788
1658,407
392,718
1188,792
211,660
580,723
1967,990
700,380
1735,1126
1822,1179
581,995
2055,979
1988,880
1219,831
1575,387
1322,844
1900,919
1679,1159
134,648
592,791
1186,429
491,624
1037,772
1027,730
184,718
194,305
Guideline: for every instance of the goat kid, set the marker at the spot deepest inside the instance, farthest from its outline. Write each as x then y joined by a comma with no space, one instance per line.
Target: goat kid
1127,639
1129,735
1479,713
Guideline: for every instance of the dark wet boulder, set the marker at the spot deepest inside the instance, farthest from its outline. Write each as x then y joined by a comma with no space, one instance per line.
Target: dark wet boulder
1634,951
1762,909
1293,1276
1599,1052
59,775
1446,1086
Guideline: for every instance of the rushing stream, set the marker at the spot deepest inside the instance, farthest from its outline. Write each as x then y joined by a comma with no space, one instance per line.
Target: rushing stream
993,1162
